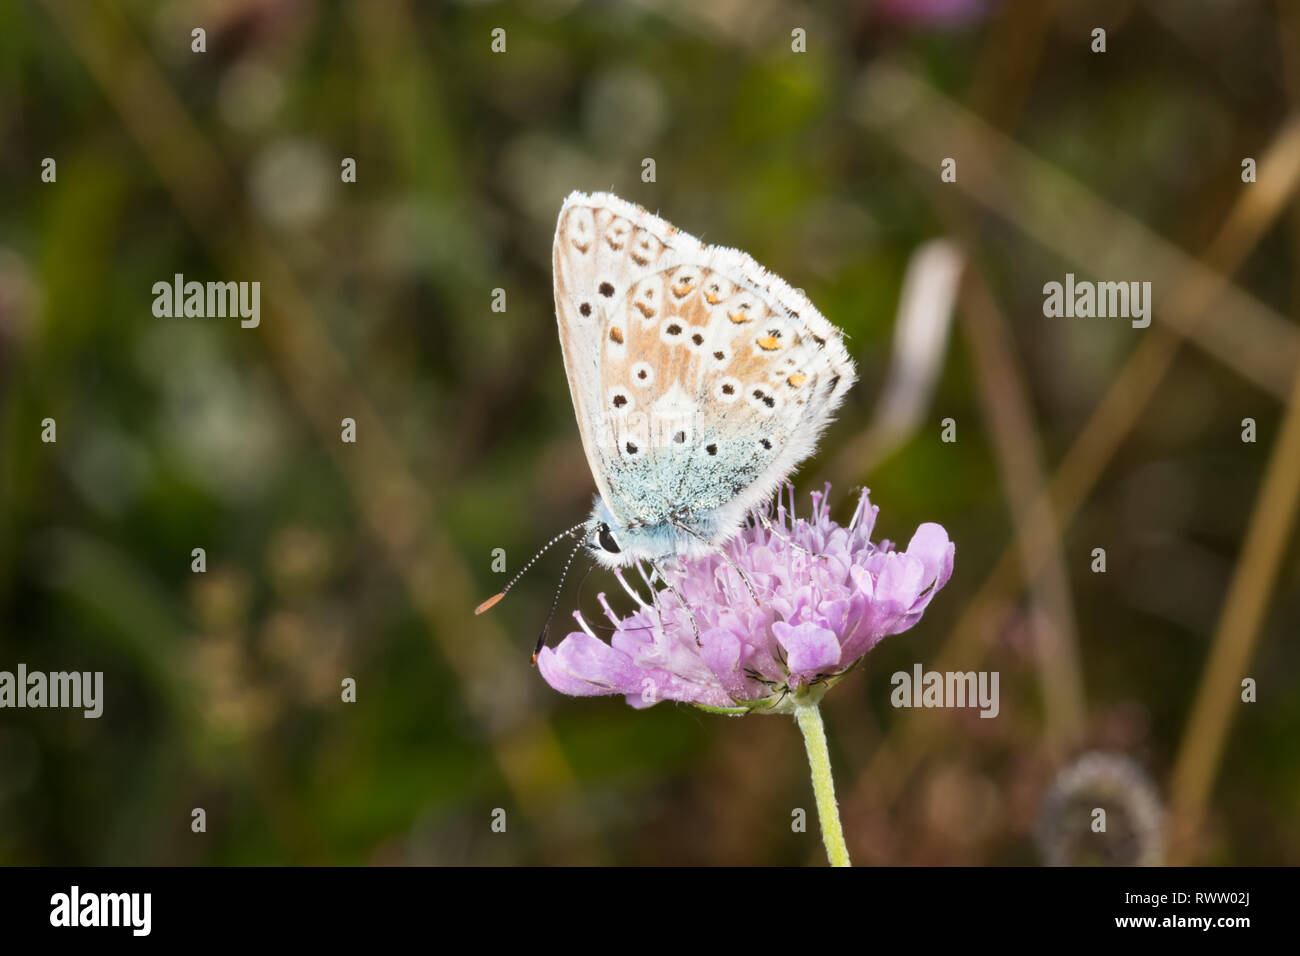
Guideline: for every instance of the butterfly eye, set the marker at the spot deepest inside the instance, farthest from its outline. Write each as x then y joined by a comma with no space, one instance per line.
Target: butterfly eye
607,540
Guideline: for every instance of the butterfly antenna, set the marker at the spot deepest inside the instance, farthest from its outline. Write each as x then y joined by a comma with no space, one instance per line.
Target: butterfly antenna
541,638
491,602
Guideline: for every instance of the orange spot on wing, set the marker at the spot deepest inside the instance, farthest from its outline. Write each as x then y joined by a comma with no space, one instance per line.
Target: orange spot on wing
739,318
769,343
794,381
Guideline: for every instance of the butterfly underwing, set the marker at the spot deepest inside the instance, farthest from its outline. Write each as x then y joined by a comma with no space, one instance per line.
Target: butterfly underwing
700,380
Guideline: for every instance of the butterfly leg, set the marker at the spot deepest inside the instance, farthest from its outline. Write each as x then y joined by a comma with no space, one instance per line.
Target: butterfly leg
749,585
649,580
680,600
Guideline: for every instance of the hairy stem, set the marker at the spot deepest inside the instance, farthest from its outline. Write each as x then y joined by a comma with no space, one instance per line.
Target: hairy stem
819,760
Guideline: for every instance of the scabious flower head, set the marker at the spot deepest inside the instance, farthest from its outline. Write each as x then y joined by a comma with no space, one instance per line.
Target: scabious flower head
826,596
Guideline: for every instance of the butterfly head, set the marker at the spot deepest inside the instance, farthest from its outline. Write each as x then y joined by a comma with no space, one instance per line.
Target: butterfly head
618,544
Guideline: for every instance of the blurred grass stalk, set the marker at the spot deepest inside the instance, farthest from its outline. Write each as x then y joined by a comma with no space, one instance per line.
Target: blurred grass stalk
1066,217
1241,332
1253,579
1004,395
396,509
922,327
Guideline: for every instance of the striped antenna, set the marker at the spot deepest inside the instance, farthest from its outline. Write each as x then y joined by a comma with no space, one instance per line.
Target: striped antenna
541,638
492,601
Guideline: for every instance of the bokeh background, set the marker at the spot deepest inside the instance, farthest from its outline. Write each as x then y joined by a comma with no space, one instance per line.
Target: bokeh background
328,560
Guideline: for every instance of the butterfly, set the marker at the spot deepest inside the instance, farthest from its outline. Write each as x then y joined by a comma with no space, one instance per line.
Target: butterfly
700,381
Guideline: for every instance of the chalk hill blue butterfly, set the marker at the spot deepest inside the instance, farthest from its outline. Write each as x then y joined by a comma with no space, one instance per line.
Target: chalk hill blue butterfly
700,380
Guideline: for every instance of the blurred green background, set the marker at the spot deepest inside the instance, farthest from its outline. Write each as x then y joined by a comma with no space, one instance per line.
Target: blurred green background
328,560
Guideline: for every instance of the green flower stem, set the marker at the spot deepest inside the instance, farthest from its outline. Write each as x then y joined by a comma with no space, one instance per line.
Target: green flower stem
819,759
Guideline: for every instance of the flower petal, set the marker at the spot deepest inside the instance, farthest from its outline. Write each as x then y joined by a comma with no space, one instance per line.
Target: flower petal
723,651
931,545
583,666
810,649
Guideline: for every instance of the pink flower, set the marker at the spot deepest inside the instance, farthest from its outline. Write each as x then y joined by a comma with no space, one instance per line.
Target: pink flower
826,596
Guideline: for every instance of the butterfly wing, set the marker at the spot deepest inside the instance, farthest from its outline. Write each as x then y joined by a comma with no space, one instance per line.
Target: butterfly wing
700,379
598,255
